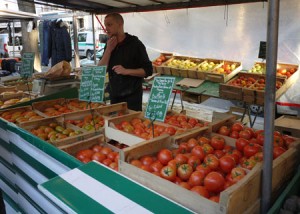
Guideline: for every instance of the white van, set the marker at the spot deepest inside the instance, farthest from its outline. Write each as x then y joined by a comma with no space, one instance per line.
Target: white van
86,45
7,49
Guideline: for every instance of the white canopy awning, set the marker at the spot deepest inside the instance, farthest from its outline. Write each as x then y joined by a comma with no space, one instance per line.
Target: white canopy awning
7,15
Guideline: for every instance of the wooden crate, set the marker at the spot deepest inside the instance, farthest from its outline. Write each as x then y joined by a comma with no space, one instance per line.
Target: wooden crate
82,105
114,110
72,149
60,121
202,74
288,125
223,77
228,199
42,105
113,133
21,109
7,88
160,68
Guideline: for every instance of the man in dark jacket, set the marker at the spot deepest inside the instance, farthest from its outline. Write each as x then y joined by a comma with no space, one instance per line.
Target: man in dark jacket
127,63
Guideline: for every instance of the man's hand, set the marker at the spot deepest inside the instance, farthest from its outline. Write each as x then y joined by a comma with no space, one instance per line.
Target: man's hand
119,69
111,43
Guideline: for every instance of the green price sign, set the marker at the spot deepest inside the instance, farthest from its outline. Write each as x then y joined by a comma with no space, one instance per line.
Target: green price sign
27,65
86,84
159,98
98,83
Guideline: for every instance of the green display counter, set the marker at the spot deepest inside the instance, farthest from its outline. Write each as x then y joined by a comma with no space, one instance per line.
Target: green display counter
94,188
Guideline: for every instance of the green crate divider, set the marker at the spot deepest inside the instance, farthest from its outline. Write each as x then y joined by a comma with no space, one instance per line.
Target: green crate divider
11,203
293,188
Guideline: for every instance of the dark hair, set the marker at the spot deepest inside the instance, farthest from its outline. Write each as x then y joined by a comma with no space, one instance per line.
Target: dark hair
116,16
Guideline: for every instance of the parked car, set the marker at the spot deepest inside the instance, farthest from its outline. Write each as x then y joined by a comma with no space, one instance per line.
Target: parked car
7,48
86,45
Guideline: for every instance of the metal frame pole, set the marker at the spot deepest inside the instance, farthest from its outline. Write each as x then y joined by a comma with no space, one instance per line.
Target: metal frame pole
13,39
269,115
75,34
94,38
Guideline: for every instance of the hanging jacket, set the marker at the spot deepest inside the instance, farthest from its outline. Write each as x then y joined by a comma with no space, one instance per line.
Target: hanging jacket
59,43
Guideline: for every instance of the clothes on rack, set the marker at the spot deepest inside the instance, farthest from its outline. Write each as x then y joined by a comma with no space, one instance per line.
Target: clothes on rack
60,48
55,42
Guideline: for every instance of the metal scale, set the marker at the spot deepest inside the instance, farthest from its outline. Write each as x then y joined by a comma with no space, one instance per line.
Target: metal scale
46,87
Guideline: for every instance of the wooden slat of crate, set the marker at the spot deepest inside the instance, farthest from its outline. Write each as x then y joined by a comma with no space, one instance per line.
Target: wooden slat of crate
7,88
160,68
215,126
230,92
288,125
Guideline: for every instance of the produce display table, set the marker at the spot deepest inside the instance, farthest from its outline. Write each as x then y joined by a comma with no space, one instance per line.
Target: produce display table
107,191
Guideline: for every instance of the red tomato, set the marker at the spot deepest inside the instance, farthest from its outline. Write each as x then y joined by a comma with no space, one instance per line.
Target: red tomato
185,185
204,169
215,198
208,149
277,151
146,160
86,160
237,174
136,163
203,140
253,140
217,142
170,130
113,165
212,161
183,148
201,190
198,152
112,155
224,130
184,171
177,180
227,164
96,148
181,159
241,143
248,163
214,182
245,134
174,163
259,156
107,161
227,148
86,153
260,138
237,126
98,157
146,168
194,161
278,141
196,179
219,153
251,149
168,173
288,140
156,166
106,150
192,142
236,155
251,131
258,132
164,156
234,134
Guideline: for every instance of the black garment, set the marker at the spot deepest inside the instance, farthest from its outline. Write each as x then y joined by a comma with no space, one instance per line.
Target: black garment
131,54
2,205
59,43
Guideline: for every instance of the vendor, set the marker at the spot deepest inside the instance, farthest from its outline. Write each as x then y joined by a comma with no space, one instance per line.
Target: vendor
127,63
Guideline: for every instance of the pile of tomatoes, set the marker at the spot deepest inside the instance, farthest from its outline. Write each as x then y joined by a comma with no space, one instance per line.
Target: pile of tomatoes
250,142
143,128
202,165
183,121
100,153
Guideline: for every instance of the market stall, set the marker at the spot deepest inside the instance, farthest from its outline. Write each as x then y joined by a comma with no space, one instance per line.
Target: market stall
31,164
